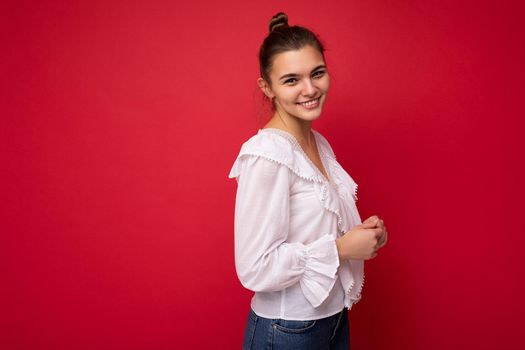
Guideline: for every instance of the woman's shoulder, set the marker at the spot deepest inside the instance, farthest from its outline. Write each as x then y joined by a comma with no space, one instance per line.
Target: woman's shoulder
284,140
268,141
273,145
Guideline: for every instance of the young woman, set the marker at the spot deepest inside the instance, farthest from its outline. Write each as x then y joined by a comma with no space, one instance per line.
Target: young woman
300,244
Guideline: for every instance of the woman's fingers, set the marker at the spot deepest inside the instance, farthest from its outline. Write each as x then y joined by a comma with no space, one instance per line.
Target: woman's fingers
382,241
371,220
378,226
367,224
378,232
381,224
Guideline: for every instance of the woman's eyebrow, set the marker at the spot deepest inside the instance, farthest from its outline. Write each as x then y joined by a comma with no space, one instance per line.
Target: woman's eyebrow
293,75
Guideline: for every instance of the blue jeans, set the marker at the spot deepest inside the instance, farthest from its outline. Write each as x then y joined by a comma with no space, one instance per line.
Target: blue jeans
275,334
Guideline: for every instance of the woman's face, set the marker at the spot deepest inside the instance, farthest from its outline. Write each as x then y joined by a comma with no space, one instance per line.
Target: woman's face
300,83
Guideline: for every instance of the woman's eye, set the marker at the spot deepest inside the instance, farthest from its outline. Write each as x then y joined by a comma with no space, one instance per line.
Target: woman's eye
317,74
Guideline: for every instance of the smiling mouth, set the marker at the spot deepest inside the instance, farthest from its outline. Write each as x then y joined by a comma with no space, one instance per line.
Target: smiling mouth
311,103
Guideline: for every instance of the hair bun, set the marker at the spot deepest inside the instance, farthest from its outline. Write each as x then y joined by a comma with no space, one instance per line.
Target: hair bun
280,20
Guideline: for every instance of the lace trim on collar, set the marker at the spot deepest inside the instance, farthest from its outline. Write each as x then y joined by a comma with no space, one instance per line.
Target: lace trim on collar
282,147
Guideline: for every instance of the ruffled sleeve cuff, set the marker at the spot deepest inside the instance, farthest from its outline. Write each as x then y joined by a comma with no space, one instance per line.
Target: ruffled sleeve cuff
320,260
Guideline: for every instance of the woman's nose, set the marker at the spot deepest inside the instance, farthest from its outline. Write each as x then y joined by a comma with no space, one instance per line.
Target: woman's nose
308,88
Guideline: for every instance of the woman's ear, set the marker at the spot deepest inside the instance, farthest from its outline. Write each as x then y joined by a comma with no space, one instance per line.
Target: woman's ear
265,88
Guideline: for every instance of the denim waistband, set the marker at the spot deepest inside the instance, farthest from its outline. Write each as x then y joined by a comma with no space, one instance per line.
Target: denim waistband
343,310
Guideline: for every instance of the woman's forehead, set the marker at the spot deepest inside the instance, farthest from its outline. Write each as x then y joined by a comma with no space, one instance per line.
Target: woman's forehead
297,61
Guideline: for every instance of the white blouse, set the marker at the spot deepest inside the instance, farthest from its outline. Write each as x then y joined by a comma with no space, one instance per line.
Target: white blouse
287,217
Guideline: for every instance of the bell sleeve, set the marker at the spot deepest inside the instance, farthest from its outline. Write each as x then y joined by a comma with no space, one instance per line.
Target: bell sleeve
264,260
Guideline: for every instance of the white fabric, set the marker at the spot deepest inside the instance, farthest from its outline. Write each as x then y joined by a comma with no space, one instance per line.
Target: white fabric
287,217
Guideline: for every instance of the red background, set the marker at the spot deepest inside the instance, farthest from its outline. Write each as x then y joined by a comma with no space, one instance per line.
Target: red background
121,120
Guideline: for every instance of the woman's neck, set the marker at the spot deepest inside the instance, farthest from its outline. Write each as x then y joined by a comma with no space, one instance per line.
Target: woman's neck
300,129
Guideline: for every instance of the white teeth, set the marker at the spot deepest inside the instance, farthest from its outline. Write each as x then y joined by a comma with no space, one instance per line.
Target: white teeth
310,103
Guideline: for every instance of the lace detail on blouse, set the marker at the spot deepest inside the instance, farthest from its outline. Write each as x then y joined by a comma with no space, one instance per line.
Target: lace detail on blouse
290,154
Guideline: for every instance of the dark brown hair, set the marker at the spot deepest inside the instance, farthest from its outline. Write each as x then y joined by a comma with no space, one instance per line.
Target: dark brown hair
282,38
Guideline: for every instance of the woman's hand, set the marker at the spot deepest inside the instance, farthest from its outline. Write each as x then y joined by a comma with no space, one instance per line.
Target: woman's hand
379,223
363,241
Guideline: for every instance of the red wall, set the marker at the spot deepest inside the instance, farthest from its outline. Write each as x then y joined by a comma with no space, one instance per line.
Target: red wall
121,120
